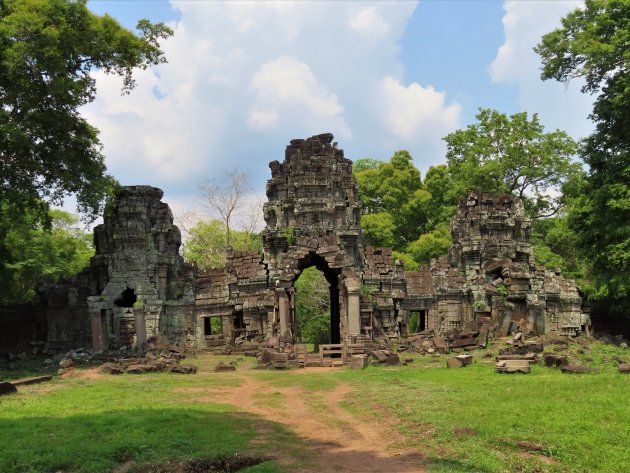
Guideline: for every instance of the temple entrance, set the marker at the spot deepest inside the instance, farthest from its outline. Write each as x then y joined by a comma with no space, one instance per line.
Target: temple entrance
316,318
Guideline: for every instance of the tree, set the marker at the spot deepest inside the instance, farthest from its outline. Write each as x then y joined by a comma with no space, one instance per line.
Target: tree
512,154
592,45
312,307
225,197
363,164
31,252
379,229
205,243
431,245
48,52
398,207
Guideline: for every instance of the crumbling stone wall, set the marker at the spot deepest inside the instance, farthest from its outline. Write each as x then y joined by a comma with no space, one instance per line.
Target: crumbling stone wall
490,275
138,285
137,268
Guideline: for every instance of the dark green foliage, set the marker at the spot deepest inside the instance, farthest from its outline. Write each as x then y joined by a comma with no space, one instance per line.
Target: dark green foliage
48,50
514,155
398,208
555,246
431,245
592,44
30,252
312,307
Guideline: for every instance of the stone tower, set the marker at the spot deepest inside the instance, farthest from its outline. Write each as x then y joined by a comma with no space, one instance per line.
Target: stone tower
313,218
136,268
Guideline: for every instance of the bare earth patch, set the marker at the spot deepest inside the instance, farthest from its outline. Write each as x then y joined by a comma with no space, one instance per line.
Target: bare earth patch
336,440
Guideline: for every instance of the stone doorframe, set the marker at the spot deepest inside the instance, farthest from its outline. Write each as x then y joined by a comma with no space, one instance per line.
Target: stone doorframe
345,292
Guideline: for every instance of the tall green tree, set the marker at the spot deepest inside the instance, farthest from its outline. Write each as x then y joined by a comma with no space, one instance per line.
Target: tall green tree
394,203
206,246
514,155
593,44
403,212
49,50
30,252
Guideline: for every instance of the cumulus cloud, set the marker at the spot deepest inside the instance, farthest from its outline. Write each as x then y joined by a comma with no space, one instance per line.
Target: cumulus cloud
516,63
288,87
244,78
415,113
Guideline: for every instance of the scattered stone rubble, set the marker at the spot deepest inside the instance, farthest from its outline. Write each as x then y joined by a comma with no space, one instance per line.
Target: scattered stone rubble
138,286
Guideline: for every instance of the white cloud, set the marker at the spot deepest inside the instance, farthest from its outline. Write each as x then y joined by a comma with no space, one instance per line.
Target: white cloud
369,22
415,113
244,78
517,64
288,87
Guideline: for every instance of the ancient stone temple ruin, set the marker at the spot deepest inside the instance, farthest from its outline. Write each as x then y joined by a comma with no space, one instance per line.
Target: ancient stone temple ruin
139,286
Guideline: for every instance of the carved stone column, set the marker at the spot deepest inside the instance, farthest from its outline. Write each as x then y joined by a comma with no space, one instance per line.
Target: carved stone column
353,290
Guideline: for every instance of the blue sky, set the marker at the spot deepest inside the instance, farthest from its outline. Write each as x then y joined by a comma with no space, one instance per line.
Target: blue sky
244,78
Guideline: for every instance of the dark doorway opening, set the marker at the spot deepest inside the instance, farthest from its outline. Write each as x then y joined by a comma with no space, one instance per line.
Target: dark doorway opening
316,316
127,298
417,321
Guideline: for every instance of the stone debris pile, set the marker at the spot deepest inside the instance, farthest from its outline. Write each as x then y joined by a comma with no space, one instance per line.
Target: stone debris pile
155,360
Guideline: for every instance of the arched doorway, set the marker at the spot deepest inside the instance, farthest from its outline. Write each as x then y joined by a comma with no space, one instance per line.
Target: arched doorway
316,268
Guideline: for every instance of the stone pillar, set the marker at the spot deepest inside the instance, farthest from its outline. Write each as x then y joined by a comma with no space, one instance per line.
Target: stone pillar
353,289
97,332
141,327
283,311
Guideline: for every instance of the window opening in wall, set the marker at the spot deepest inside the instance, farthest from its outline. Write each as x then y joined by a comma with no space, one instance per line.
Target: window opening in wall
455,324
212,326
127,298
417,321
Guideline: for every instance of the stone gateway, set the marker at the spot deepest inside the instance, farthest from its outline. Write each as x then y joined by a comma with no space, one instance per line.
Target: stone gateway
138,285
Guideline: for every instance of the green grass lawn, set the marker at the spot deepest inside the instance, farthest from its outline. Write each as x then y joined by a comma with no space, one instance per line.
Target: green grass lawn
93,425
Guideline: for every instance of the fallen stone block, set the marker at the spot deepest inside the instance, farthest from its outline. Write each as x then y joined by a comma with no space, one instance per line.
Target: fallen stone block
466,359
624,368
266,355
359,362
380,356
392,360
513,366
140,368
31,380
279,358
556,361
454,362
110,368
222,367
7,388
184,369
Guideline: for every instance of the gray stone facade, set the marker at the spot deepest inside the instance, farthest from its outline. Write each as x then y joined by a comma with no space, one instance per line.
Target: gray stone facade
139,286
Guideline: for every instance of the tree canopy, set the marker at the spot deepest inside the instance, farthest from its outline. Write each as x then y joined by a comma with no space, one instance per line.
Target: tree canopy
403,212
514,155
206,247
49,50
593,44
30,252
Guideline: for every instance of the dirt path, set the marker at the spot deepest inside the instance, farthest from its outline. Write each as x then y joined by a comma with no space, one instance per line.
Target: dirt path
336,440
